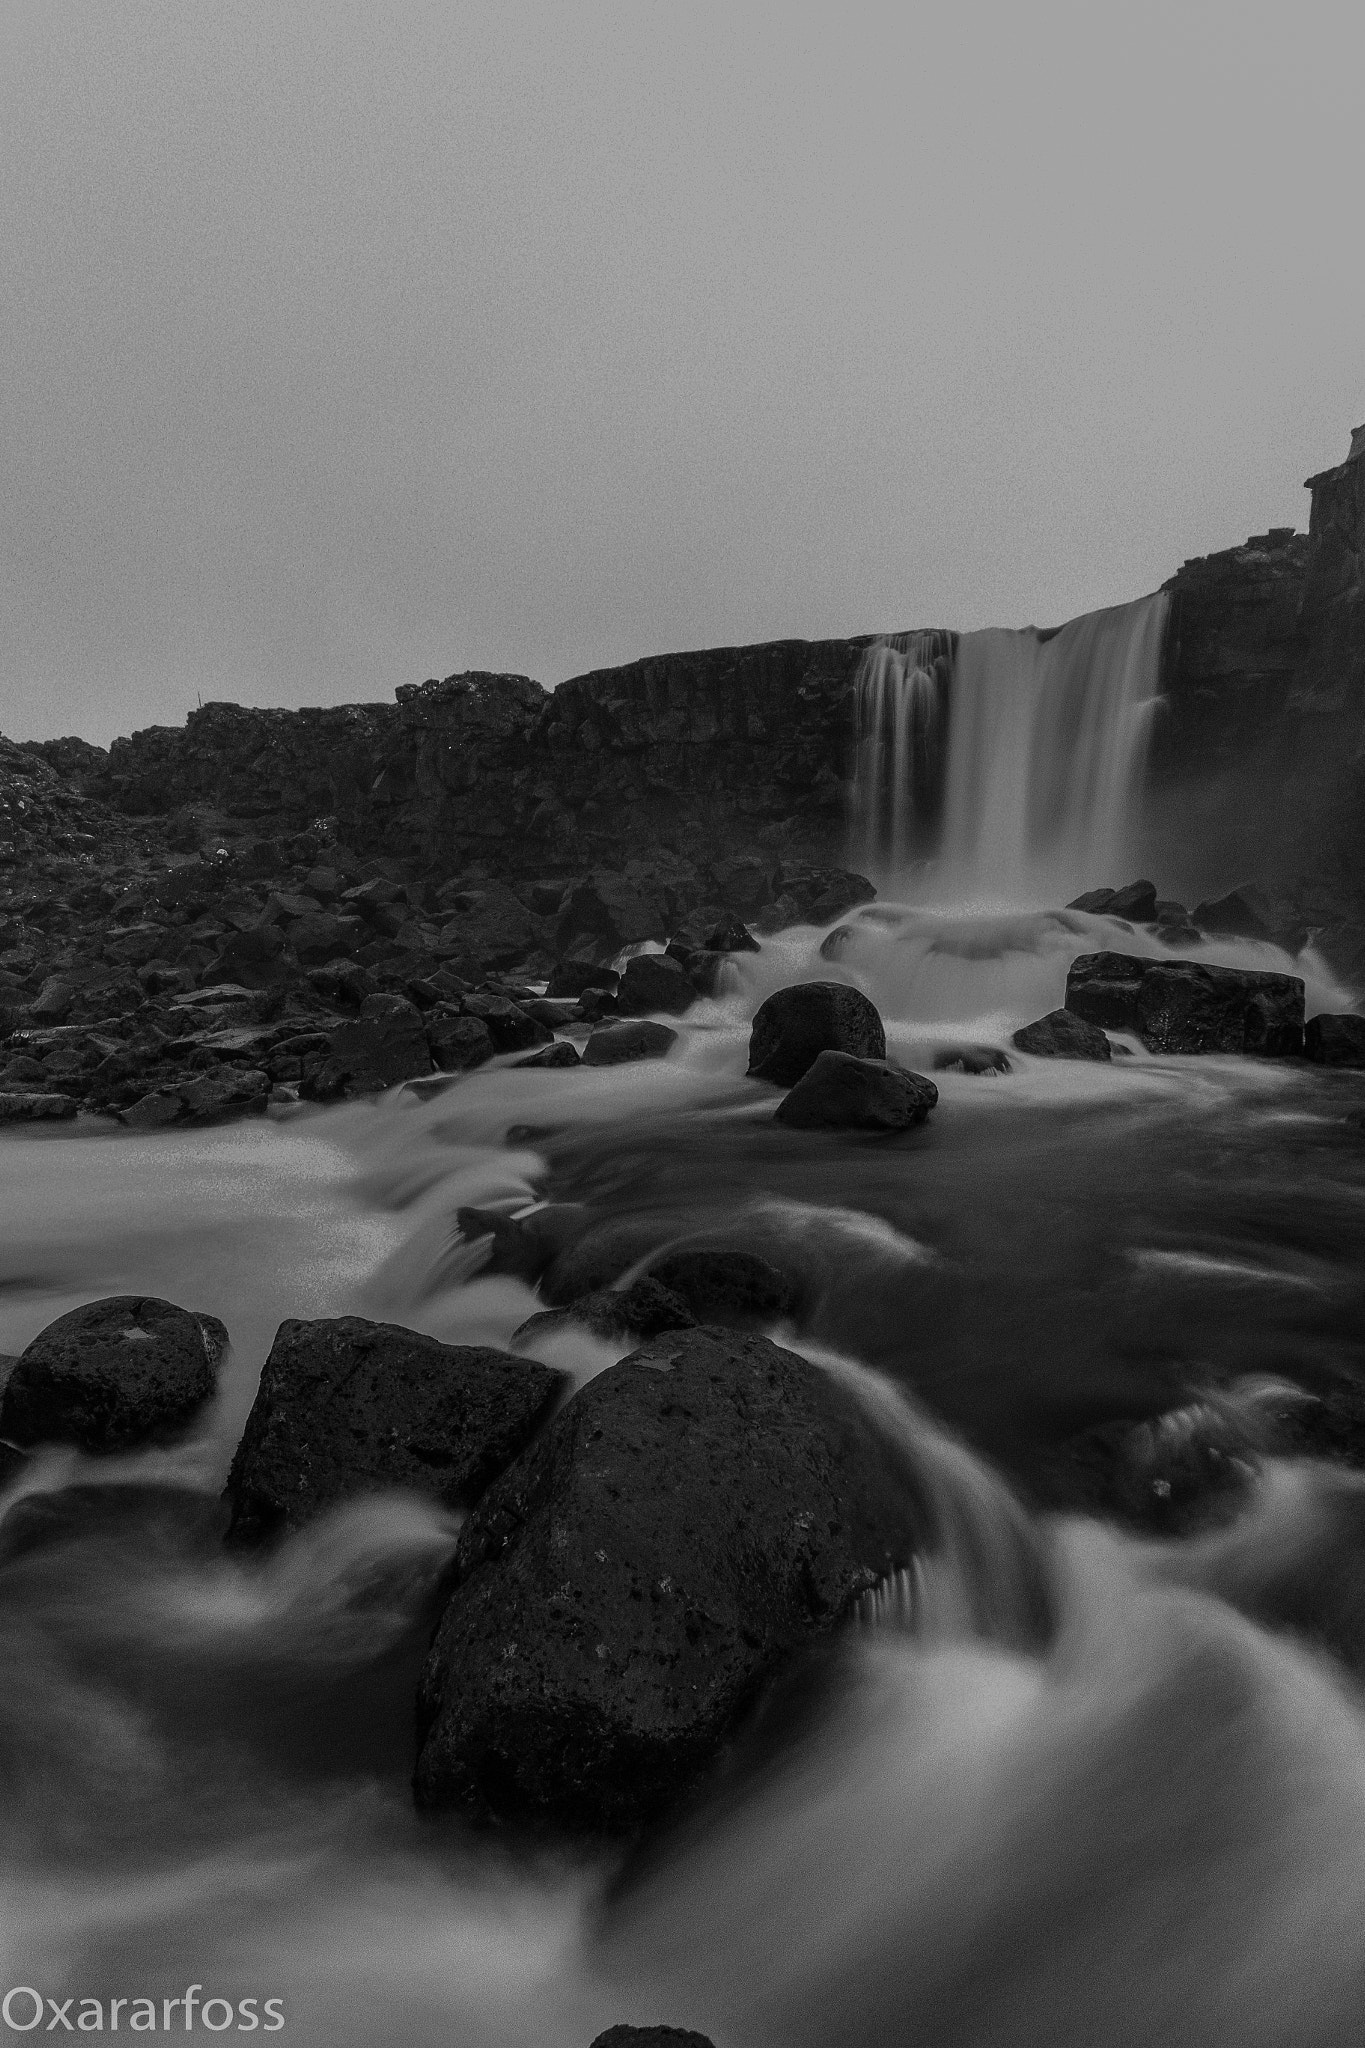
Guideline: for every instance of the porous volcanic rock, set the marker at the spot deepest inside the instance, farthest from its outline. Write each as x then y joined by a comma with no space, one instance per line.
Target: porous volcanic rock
692,1518
1181,1006
347,1407
840,1093
1062,1035
795,1025
127,1370
1335,1041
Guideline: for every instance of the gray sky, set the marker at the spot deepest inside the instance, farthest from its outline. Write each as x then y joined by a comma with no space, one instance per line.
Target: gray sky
344,346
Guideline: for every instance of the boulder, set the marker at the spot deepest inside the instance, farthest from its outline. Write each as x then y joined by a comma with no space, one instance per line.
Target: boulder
641,1310
571,977
970,1059
795,1025
609,910
317,937
1062,1035
1137,903
459,1042
153,1112
694,1517
720,1285
1230,917
347,1407
253,958
560,1054
840,1093
115,1373
639,1039
1181,1006
510,1027
729,936
812,895
386,1043
226,1091
487,924
1096,901
1335,1041
652,981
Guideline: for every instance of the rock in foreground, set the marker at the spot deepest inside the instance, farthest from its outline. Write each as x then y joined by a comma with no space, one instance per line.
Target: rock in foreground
115,1373
1063,1036
1181,1006
348,1407
695,1515
840,1093
614,1045
795,1025
1335,1041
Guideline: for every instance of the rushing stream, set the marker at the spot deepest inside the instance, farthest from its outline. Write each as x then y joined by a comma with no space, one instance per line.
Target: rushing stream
1147,1821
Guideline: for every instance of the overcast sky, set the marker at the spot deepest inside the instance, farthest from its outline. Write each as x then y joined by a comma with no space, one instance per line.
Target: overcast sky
344,346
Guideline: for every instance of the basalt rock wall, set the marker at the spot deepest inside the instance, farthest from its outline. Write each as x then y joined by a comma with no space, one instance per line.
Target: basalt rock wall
708,753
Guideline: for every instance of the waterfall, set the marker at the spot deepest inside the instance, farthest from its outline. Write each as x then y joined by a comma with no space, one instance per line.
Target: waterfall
1025,772
902,688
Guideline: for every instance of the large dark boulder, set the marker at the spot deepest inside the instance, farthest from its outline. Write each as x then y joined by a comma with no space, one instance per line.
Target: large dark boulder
1096,901
571,977
112,1374
457,1042
1181,1006
653,981
1061,1035
1230,917
720,1285
840,1093
511,1028
1136,902
387,1042
1335,1041
616,1044
795,1025
347,1407
691,1519
253,958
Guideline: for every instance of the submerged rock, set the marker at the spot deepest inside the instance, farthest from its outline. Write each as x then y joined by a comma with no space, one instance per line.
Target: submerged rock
643,1309
840,1093
614,1044
735,1288
970,1059
1061,1035
1335,1041
115,1373
795,1025
347,1407
560,1054
692,1518
1181,1006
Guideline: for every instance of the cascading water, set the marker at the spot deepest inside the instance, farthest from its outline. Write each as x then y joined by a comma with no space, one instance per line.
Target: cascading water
902,693
1046,741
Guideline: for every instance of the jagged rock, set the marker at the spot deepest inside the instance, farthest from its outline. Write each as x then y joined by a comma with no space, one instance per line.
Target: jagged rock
643,1309
1096,901
609,910
1230,917
317,937
640,1039
26,1107
347,1407
226,1091
386,1043
1062,1035
153,1112
253,958
571,977
734,1288
488,925
509,1026
838,1092
810,895
1335,1041
560,1054
115,1373
654,982
692,1518
795,1025
1181,1006
1136,902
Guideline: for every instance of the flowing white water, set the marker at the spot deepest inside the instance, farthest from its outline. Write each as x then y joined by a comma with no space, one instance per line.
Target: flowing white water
1046,742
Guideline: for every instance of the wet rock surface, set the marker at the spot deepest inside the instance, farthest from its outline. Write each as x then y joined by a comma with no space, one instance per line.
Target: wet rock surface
693,1517
840,1093
795,1025
1335,1041
1181,1006
1062,1035
115,1373
614,1045
347,1407
652,2037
